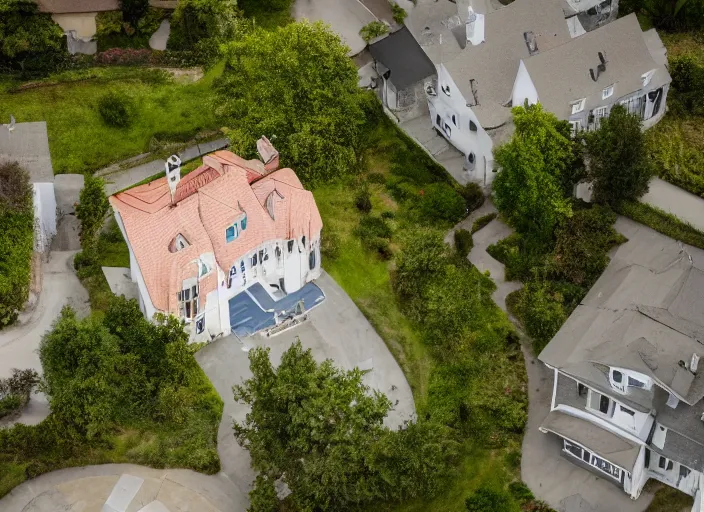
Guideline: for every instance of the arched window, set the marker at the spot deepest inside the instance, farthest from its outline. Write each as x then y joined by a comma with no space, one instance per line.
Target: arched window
472,126
311,259
454,119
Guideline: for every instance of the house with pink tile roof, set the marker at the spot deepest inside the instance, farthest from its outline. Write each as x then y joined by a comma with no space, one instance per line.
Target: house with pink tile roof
231,246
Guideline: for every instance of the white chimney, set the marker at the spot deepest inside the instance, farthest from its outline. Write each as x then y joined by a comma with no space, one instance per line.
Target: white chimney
474,27
173,174
693,363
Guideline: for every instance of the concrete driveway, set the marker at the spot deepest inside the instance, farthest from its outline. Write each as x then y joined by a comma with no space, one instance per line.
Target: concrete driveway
336,330
345,17
677,201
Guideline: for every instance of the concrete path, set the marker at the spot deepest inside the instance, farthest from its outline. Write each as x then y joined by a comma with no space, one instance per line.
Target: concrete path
117,180
161,36
489,234
345,17
336,329
666,196
88,488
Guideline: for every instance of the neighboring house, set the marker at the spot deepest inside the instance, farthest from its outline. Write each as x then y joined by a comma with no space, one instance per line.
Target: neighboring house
587,15
489,61
628,381
28,145
607,67
230,246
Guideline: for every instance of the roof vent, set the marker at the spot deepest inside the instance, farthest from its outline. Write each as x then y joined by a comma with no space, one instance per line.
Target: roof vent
600,68
694,363
531,42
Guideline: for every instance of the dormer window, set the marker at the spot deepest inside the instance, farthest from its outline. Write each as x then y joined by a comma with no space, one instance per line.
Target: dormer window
647,77
232,232
607,92
271,201
445,89
178,243
578,106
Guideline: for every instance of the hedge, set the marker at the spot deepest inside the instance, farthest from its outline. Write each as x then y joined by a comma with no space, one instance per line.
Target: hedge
662,222
16,240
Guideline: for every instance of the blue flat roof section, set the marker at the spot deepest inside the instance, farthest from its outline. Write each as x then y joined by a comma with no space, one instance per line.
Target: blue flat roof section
253,309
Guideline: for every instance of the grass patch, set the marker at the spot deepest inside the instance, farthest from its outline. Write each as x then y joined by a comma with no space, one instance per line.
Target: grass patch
396,173
662,222
668,499
80,141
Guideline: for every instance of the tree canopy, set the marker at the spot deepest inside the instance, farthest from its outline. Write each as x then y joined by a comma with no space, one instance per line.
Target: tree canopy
203,25
321,430
297,86
537,166
619,165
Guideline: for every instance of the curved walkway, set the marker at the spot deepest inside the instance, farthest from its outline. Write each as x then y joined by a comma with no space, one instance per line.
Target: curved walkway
126,488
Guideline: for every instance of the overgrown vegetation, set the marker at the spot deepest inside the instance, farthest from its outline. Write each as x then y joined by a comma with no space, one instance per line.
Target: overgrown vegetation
399,12
321,430
127,28
203,25
267,13
15,391
456,348
80,140
16,240
116,109
482,221
662,222
373,29
120,390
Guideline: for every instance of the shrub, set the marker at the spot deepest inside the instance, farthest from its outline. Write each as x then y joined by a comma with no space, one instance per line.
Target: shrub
133,10
482,221
388,215
463,242
374,233
520,492
540,310
522,256
473,195
372,30
16,240
91,210
363,201
440,201
489,500
203,25
116,109
662,222
399,12
15,390
376,177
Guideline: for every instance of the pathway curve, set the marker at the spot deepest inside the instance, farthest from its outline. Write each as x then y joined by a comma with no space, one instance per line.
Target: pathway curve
676,201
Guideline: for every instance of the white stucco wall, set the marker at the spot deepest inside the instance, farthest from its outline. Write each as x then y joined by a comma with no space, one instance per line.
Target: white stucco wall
82,23
44,215
523,88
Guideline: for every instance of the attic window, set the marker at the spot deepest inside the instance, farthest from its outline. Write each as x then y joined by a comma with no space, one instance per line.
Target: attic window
578,106
607,92
178,243
232,232
647,77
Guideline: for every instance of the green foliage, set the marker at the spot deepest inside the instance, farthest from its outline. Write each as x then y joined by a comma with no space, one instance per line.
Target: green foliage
373,29
582,245
330,244
203,25
114,30
133,10
619,167
15,390
363,201
473,195
541,311
529,189
482,221
267,13
375,233
670,15
321,430
108,23
91,210
662,222
489,500
116,110
29,40
296,85
16,240
521,256
441,202
399,12
262,497
463,242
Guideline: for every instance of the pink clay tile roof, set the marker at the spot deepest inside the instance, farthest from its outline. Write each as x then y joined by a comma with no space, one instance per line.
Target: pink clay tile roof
208,200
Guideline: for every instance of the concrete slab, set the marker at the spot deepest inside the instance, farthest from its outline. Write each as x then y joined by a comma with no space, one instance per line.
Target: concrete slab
336,330
120,282
161,36
28,144
678,202
345,17
67,188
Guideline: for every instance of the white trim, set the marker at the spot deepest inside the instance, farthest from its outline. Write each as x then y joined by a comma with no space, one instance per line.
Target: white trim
591,455
607,92
554,390
578,105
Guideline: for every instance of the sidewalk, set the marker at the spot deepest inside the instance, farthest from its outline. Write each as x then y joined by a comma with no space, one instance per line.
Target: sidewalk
677,201
116,180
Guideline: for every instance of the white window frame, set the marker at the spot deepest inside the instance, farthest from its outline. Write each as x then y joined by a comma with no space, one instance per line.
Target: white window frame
612,404
593,459
607,92
192,300
601,112
576,126
578,106
647,77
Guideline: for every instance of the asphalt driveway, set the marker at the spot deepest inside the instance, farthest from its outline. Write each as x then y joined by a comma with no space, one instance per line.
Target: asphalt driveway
335,330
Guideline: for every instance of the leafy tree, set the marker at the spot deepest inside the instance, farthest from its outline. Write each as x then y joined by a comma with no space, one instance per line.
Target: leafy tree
541,311
440,201
668,14
28,38
488,500
91,210
203,25
321,430
298,86
619,166
529,190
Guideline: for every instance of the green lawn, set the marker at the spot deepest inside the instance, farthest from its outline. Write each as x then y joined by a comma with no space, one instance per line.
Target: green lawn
79,140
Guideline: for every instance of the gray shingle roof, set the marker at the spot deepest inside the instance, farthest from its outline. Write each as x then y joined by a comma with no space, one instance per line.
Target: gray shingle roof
28,144
623,45
494,63
402,54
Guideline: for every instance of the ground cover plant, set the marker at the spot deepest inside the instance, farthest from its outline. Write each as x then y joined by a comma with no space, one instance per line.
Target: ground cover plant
80,140
120,389
16,240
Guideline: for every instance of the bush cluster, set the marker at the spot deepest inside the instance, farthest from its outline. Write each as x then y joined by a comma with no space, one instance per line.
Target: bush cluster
473,195
16,240
15,390
463,242
441,202
482,221
487,499
662,222
116,109
375,234
373,29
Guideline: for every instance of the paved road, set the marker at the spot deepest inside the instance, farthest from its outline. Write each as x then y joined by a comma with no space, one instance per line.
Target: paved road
88,488
337,330
345,17
677,201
